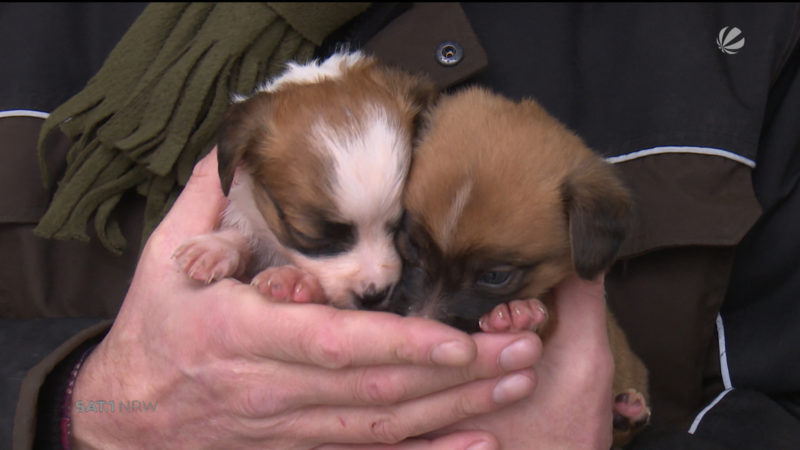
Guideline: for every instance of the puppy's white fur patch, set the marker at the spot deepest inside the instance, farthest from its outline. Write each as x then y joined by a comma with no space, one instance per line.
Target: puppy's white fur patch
313,72
453,216
370,164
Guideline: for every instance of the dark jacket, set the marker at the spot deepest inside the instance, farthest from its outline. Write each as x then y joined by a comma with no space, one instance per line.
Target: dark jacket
701,123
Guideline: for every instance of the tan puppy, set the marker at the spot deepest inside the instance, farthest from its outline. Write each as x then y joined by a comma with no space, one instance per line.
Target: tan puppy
503,203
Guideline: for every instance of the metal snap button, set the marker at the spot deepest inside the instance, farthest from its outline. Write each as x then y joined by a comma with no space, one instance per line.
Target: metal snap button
449,53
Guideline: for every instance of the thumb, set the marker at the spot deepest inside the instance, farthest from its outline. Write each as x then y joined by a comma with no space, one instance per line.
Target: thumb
198,209
581,303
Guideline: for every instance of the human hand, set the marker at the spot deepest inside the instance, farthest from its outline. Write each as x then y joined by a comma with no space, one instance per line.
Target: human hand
224,368
571,407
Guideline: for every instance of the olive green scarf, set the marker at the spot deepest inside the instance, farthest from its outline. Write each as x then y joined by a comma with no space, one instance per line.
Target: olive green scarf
152,110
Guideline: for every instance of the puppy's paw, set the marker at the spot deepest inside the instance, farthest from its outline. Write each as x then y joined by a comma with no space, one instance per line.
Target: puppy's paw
208,257
516,315
631,413
289,284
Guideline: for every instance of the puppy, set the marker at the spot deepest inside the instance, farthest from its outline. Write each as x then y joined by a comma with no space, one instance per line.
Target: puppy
502,203
313,165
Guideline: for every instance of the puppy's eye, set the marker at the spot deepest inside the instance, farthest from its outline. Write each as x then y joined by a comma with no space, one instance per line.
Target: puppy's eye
335,238
394,227
496,278
405,246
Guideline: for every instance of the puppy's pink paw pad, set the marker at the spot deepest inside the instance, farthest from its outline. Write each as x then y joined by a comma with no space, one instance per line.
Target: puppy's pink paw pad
288,283
517,315
497,321
630,410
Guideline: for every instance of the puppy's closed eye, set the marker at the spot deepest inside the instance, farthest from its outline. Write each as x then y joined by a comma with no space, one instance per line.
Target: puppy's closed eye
329,238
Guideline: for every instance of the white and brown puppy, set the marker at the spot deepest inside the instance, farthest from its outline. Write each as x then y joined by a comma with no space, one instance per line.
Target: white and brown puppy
314,165
502,203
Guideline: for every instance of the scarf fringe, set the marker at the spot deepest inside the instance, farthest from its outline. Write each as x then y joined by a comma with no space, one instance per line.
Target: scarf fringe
153,109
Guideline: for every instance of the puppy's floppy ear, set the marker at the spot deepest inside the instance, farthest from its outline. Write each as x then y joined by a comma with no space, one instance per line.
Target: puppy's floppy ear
598,208
242,127
417,89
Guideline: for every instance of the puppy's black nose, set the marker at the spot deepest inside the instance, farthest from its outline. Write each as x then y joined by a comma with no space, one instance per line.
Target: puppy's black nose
373,299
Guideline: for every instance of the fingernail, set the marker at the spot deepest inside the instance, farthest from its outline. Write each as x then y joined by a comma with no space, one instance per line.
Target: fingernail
538,318
521,354
512,388
453,353
543,310
480,445
300,295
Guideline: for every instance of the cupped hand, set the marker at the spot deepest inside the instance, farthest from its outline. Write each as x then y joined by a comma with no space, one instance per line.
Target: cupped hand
224,368
571,407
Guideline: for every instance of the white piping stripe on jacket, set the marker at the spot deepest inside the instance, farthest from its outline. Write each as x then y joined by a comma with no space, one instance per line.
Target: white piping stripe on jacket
726,376
682,149
24,113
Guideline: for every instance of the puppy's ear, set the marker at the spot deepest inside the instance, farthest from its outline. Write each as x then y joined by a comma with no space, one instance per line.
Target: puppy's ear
416,89
242,127
598,207
421,90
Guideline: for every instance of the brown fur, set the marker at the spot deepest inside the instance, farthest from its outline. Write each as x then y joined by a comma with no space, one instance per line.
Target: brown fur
320,155
503,184
269,134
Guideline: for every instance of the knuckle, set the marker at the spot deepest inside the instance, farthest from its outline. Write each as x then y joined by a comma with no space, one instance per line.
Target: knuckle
258,403
404,353
251,404
327,349
467,406
386,429
380,387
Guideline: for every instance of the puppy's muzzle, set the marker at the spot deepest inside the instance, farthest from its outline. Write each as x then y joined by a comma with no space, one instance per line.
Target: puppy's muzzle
372,298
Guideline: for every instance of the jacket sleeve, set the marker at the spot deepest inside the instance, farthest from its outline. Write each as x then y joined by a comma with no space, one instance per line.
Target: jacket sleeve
34,348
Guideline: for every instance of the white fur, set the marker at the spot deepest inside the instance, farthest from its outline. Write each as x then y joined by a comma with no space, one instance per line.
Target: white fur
453,216
370,167
243,214
313,72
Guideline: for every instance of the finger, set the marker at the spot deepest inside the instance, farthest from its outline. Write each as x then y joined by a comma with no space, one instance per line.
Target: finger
305,385
393,424
324,336
467,440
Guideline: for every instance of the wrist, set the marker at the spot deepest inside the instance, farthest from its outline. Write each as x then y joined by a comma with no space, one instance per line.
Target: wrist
124,393
65,424
102,385
53,398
